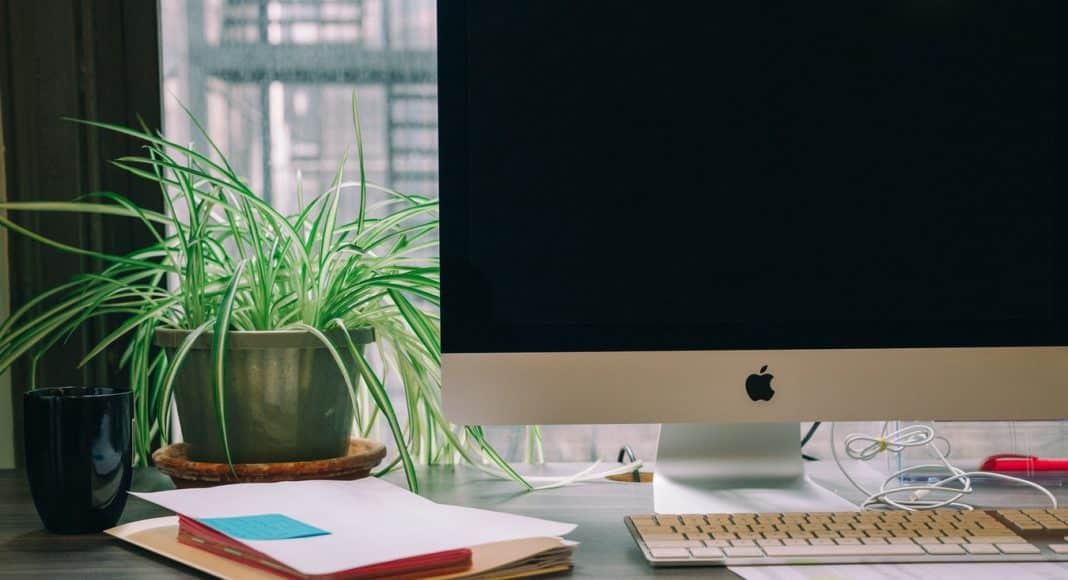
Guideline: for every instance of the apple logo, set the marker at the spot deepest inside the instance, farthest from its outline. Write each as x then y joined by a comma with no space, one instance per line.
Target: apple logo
759,386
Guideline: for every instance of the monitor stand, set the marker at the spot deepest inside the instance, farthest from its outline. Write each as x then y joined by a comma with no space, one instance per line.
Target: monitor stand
735,467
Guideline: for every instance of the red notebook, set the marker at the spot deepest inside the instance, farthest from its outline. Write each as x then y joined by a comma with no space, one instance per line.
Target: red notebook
198,535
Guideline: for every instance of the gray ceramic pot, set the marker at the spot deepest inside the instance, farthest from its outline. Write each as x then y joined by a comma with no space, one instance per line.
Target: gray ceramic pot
285,398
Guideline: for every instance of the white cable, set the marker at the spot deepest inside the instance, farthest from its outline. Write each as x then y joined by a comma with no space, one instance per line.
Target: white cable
584,475
948,491
550,482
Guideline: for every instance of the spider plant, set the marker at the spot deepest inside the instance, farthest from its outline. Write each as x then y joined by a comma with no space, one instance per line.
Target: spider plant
224,260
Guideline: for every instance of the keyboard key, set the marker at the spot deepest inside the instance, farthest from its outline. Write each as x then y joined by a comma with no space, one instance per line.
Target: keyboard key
743,543
1018,548
675,544
847,541
944,549
745,552
718,543
706,552
662,537
1059,548
670,553
859,550
981,549
997,540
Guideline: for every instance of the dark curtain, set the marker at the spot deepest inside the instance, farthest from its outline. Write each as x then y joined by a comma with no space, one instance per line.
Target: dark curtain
91,59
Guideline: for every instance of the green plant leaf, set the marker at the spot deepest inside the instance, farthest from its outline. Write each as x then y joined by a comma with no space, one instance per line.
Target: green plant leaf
359,154
146,216
73,250
127,326
378,392
218,357
419,324
171,373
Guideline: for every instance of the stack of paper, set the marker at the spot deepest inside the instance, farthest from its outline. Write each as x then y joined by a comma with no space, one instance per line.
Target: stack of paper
333,529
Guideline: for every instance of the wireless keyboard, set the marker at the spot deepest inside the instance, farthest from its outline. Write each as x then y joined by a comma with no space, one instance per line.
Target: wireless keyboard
740,539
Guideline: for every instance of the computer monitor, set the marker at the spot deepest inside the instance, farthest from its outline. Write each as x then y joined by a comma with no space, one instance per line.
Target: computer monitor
716,213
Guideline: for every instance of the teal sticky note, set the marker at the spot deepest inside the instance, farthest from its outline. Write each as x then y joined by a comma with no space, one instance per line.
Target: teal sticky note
263,527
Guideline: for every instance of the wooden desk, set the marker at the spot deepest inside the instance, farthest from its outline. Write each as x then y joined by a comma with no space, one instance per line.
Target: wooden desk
607,551
27,550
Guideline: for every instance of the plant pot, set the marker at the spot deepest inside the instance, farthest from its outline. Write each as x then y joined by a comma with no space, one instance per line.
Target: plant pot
285,399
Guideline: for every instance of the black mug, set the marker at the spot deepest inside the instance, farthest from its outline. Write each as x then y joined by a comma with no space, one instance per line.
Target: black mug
78,456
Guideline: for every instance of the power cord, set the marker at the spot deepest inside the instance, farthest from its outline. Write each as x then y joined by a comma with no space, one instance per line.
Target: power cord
626,451
947,491
811,431
808,437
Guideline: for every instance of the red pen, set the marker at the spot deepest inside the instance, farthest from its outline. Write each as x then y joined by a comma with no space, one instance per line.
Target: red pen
1011,462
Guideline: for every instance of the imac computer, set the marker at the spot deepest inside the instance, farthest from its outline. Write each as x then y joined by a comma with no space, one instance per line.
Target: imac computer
730,217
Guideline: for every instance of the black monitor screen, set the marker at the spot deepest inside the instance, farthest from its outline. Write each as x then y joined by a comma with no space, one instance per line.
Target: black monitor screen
750,175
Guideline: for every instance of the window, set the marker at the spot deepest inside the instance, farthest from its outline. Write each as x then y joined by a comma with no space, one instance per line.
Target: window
272,82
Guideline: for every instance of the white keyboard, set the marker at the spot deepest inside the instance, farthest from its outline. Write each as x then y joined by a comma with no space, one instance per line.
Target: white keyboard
740,539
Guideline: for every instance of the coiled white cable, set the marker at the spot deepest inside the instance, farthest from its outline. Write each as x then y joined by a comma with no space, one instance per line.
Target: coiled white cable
947,492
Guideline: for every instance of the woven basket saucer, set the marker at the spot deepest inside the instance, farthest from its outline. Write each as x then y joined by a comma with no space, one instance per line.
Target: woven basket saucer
363,456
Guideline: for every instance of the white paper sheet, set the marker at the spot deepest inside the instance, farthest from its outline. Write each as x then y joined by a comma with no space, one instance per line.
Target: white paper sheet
369,520
992,571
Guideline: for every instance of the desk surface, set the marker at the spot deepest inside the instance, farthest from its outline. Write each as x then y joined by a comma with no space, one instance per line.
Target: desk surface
606,550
